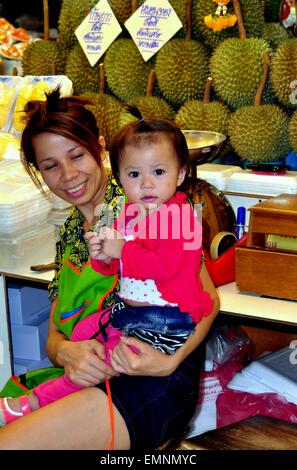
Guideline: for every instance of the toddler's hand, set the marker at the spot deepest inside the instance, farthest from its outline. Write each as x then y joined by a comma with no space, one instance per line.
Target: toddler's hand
112,242
95,245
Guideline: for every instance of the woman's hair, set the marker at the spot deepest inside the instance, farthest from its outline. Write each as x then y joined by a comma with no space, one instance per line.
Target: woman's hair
65,116
146,131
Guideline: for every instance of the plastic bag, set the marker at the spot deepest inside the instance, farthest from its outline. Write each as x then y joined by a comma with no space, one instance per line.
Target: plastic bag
228,348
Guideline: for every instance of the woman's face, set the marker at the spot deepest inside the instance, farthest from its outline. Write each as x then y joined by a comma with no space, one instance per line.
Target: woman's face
68,169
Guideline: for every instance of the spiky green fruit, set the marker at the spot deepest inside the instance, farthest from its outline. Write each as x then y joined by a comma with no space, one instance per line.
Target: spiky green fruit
106,109
252,15
293,132
275,34
85,78
236,69
151,107
284,73
40,58
126,72
259,133
181,70
121,9
205,117
72,14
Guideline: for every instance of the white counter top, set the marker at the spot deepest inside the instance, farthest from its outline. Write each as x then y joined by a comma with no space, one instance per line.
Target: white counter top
255,306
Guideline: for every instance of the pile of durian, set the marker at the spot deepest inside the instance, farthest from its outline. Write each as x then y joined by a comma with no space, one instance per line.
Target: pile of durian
174,84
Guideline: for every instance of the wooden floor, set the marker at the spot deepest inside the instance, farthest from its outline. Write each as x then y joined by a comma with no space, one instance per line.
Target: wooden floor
256,433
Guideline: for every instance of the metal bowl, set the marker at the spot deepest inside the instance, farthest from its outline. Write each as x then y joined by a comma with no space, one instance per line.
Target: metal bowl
203,145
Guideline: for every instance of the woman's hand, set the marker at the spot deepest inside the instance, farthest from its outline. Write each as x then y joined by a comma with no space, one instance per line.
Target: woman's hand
83,362
146,361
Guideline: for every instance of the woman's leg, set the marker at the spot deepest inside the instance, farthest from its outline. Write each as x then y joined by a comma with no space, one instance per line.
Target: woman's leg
78,421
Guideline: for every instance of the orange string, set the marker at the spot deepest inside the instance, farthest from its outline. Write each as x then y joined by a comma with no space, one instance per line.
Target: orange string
111,414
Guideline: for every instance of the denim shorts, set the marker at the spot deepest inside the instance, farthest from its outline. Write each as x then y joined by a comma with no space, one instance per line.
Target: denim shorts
156,409
165,320
164,328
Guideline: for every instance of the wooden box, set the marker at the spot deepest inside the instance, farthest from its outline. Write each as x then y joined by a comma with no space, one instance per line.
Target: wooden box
261,270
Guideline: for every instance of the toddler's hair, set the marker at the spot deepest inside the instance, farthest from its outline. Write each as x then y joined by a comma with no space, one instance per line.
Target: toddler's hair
145,131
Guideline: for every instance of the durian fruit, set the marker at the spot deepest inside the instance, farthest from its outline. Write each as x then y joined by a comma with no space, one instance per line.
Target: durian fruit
72,13
284,73
252,14
106,109
275,34
204,115
44,57
259,133
84,77
122,9
236,66
182,68
126,71
40,58
272,10
236,70
151,107
293,132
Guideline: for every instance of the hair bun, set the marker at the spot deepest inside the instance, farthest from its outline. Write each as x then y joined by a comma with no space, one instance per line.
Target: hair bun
133,110
53,101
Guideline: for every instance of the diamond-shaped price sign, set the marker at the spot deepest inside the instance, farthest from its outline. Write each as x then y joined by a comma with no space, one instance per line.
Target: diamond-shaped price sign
152,25
97,31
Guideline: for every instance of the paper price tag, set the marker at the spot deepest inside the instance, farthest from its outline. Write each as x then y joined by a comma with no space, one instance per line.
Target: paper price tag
97,31
152,25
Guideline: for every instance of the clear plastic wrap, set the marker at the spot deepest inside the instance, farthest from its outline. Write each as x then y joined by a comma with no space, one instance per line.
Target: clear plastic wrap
228,349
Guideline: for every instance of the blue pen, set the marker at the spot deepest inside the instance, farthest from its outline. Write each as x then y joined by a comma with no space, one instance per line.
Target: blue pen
240,222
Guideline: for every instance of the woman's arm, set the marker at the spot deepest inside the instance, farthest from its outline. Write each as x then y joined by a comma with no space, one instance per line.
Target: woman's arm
149,361
83,361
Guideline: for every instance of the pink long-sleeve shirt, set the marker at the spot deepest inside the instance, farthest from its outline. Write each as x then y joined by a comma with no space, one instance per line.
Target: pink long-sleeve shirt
167,249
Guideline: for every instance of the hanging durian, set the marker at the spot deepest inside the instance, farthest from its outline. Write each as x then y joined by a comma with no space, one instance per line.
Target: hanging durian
40,58
275,34
182,67
151,107
251,12
204,115
236,66
259,133
284,73
44,57
72,13
125,69
122,9
106,109
78,69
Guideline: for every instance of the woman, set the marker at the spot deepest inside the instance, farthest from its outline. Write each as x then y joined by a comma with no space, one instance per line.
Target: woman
153,394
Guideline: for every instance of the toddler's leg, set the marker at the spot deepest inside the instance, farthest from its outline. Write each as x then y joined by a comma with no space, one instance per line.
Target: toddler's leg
55,389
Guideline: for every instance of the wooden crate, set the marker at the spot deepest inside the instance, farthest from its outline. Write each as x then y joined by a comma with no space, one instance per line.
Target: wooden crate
261,270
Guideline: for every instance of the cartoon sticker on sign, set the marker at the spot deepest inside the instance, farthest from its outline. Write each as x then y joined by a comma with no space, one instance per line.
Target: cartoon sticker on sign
152,25
97,31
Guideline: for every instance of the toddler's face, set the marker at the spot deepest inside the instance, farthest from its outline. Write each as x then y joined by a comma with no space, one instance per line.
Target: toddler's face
150,173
